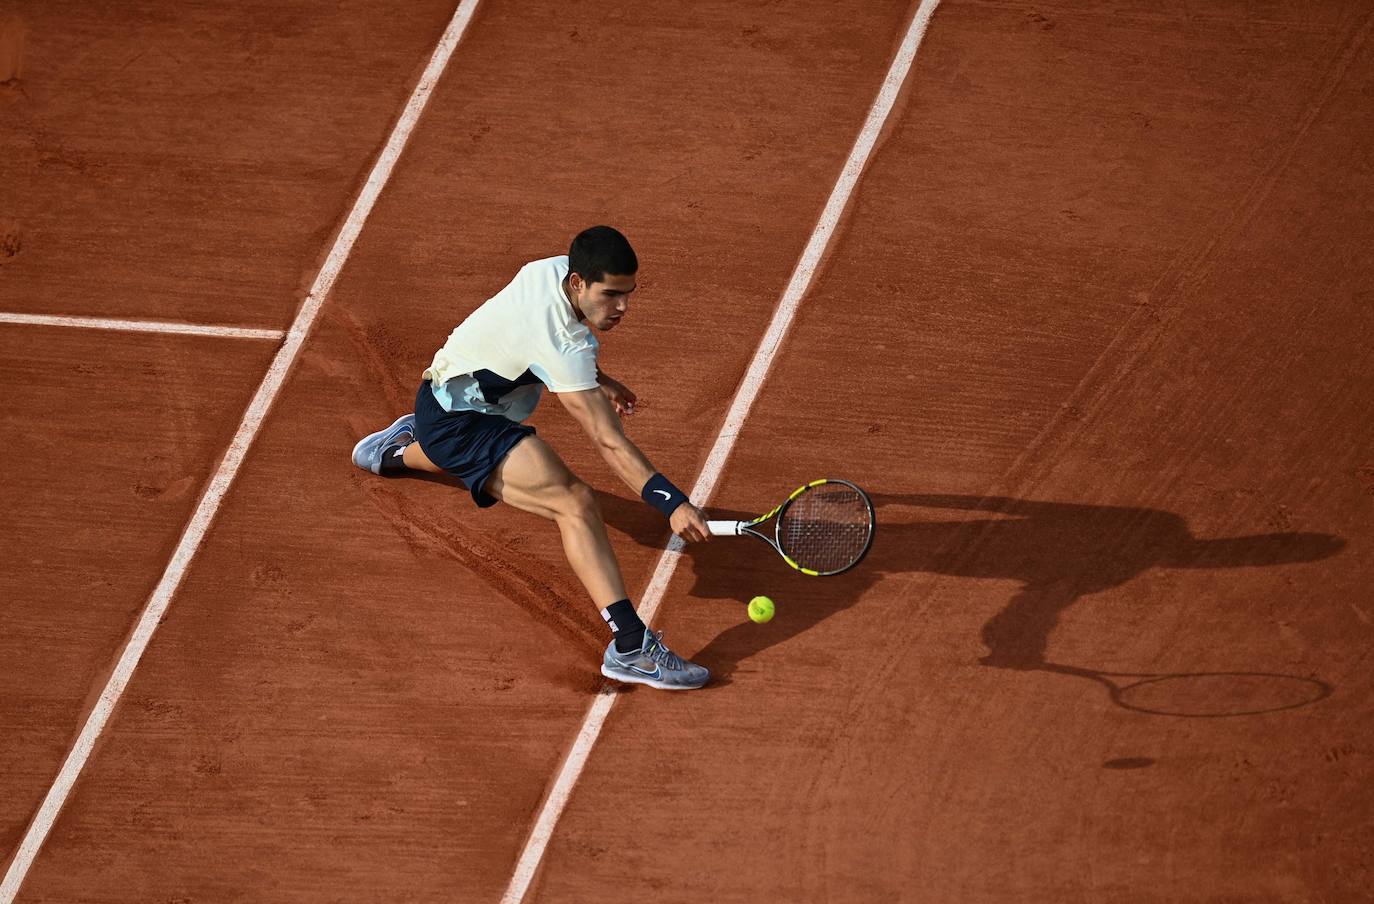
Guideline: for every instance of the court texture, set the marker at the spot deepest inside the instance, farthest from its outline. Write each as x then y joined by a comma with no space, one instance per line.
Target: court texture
1080,291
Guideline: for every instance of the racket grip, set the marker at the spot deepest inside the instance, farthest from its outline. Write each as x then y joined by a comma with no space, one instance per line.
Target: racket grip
724,528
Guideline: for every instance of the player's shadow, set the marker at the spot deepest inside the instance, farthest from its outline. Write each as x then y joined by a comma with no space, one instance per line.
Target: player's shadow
1059,552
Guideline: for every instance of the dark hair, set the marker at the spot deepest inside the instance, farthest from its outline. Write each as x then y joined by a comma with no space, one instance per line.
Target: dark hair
601,250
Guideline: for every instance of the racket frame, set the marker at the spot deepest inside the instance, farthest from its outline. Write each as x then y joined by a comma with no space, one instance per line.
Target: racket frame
739,528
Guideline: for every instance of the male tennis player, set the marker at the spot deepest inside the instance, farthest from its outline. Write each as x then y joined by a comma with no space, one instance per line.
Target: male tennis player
486,380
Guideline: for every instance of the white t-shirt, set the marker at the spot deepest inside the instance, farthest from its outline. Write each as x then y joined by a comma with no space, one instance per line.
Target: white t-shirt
521,339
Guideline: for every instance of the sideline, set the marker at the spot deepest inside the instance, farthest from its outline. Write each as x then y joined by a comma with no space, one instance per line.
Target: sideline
576,759
196,528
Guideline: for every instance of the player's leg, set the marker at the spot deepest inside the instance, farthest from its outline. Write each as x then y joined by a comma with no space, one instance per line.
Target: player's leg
415,458
395,449
534,479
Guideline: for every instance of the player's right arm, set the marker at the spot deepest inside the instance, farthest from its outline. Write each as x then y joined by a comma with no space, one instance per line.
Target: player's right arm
593,410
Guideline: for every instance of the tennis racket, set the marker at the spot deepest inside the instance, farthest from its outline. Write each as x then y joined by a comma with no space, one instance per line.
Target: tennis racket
824,528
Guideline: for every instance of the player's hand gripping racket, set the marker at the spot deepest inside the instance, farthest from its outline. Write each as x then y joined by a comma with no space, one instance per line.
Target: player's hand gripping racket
824,528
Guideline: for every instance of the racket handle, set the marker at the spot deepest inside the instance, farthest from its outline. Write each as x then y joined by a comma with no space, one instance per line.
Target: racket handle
724,528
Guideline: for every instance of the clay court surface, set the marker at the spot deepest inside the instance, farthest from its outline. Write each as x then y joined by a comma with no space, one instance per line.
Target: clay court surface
1096,331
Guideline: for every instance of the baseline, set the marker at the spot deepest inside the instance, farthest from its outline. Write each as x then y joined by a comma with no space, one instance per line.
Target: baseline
248,428
140,326
797,286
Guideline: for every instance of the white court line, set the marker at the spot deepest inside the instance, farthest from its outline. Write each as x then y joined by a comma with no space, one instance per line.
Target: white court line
576,759
141,326
248,428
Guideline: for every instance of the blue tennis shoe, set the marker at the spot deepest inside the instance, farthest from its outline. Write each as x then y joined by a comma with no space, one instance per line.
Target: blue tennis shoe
367,454
653,664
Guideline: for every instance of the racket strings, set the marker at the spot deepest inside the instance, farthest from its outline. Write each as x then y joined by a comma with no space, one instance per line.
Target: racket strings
827,528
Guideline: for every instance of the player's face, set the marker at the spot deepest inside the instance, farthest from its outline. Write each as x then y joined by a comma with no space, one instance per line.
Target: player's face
605,301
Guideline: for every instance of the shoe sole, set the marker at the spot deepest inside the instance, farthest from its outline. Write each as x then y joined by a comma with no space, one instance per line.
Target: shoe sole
635,678
366,439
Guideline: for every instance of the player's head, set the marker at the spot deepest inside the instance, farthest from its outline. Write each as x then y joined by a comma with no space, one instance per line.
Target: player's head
601,275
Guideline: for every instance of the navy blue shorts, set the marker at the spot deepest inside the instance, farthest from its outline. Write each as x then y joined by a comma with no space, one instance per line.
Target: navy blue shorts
467,444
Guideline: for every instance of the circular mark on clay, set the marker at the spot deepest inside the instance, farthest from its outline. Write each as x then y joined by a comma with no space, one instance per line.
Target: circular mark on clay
1129,762
269,575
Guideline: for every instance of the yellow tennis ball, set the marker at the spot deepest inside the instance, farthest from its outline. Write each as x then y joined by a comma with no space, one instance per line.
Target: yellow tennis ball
760,609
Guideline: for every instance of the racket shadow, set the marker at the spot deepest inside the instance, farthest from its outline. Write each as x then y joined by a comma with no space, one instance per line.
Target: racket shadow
1202,695
1059,553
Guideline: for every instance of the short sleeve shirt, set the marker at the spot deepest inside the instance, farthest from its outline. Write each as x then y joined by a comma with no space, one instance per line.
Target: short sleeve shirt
523,338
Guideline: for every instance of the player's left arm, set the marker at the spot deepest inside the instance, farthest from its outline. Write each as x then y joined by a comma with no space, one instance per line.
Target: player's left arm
622,399
593,410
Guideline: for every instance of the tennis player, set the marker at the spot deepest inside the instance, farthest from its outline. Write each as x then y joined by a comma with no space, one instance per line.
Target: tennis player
487,379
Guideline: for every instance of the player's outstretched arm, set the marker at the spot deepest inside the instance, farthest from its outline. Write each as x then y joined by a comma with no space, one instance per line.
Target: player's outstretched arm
593,410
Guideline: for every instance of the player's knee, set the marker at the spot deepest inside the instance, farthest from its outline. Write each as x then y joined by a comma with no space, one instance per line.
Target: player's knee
580,502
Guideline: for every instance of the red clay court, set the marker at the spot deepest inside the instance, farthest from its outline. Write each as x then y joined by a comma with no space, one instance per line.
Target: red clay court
1080,291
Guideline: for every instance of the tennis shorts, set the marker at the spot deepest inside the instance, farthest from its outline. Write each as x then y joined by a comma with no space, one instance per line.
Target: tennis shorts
467,444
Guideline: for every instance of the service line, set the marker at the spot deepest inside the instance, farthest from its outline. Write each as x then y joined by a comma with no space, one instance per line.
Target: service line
142,326
191,537
573,763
